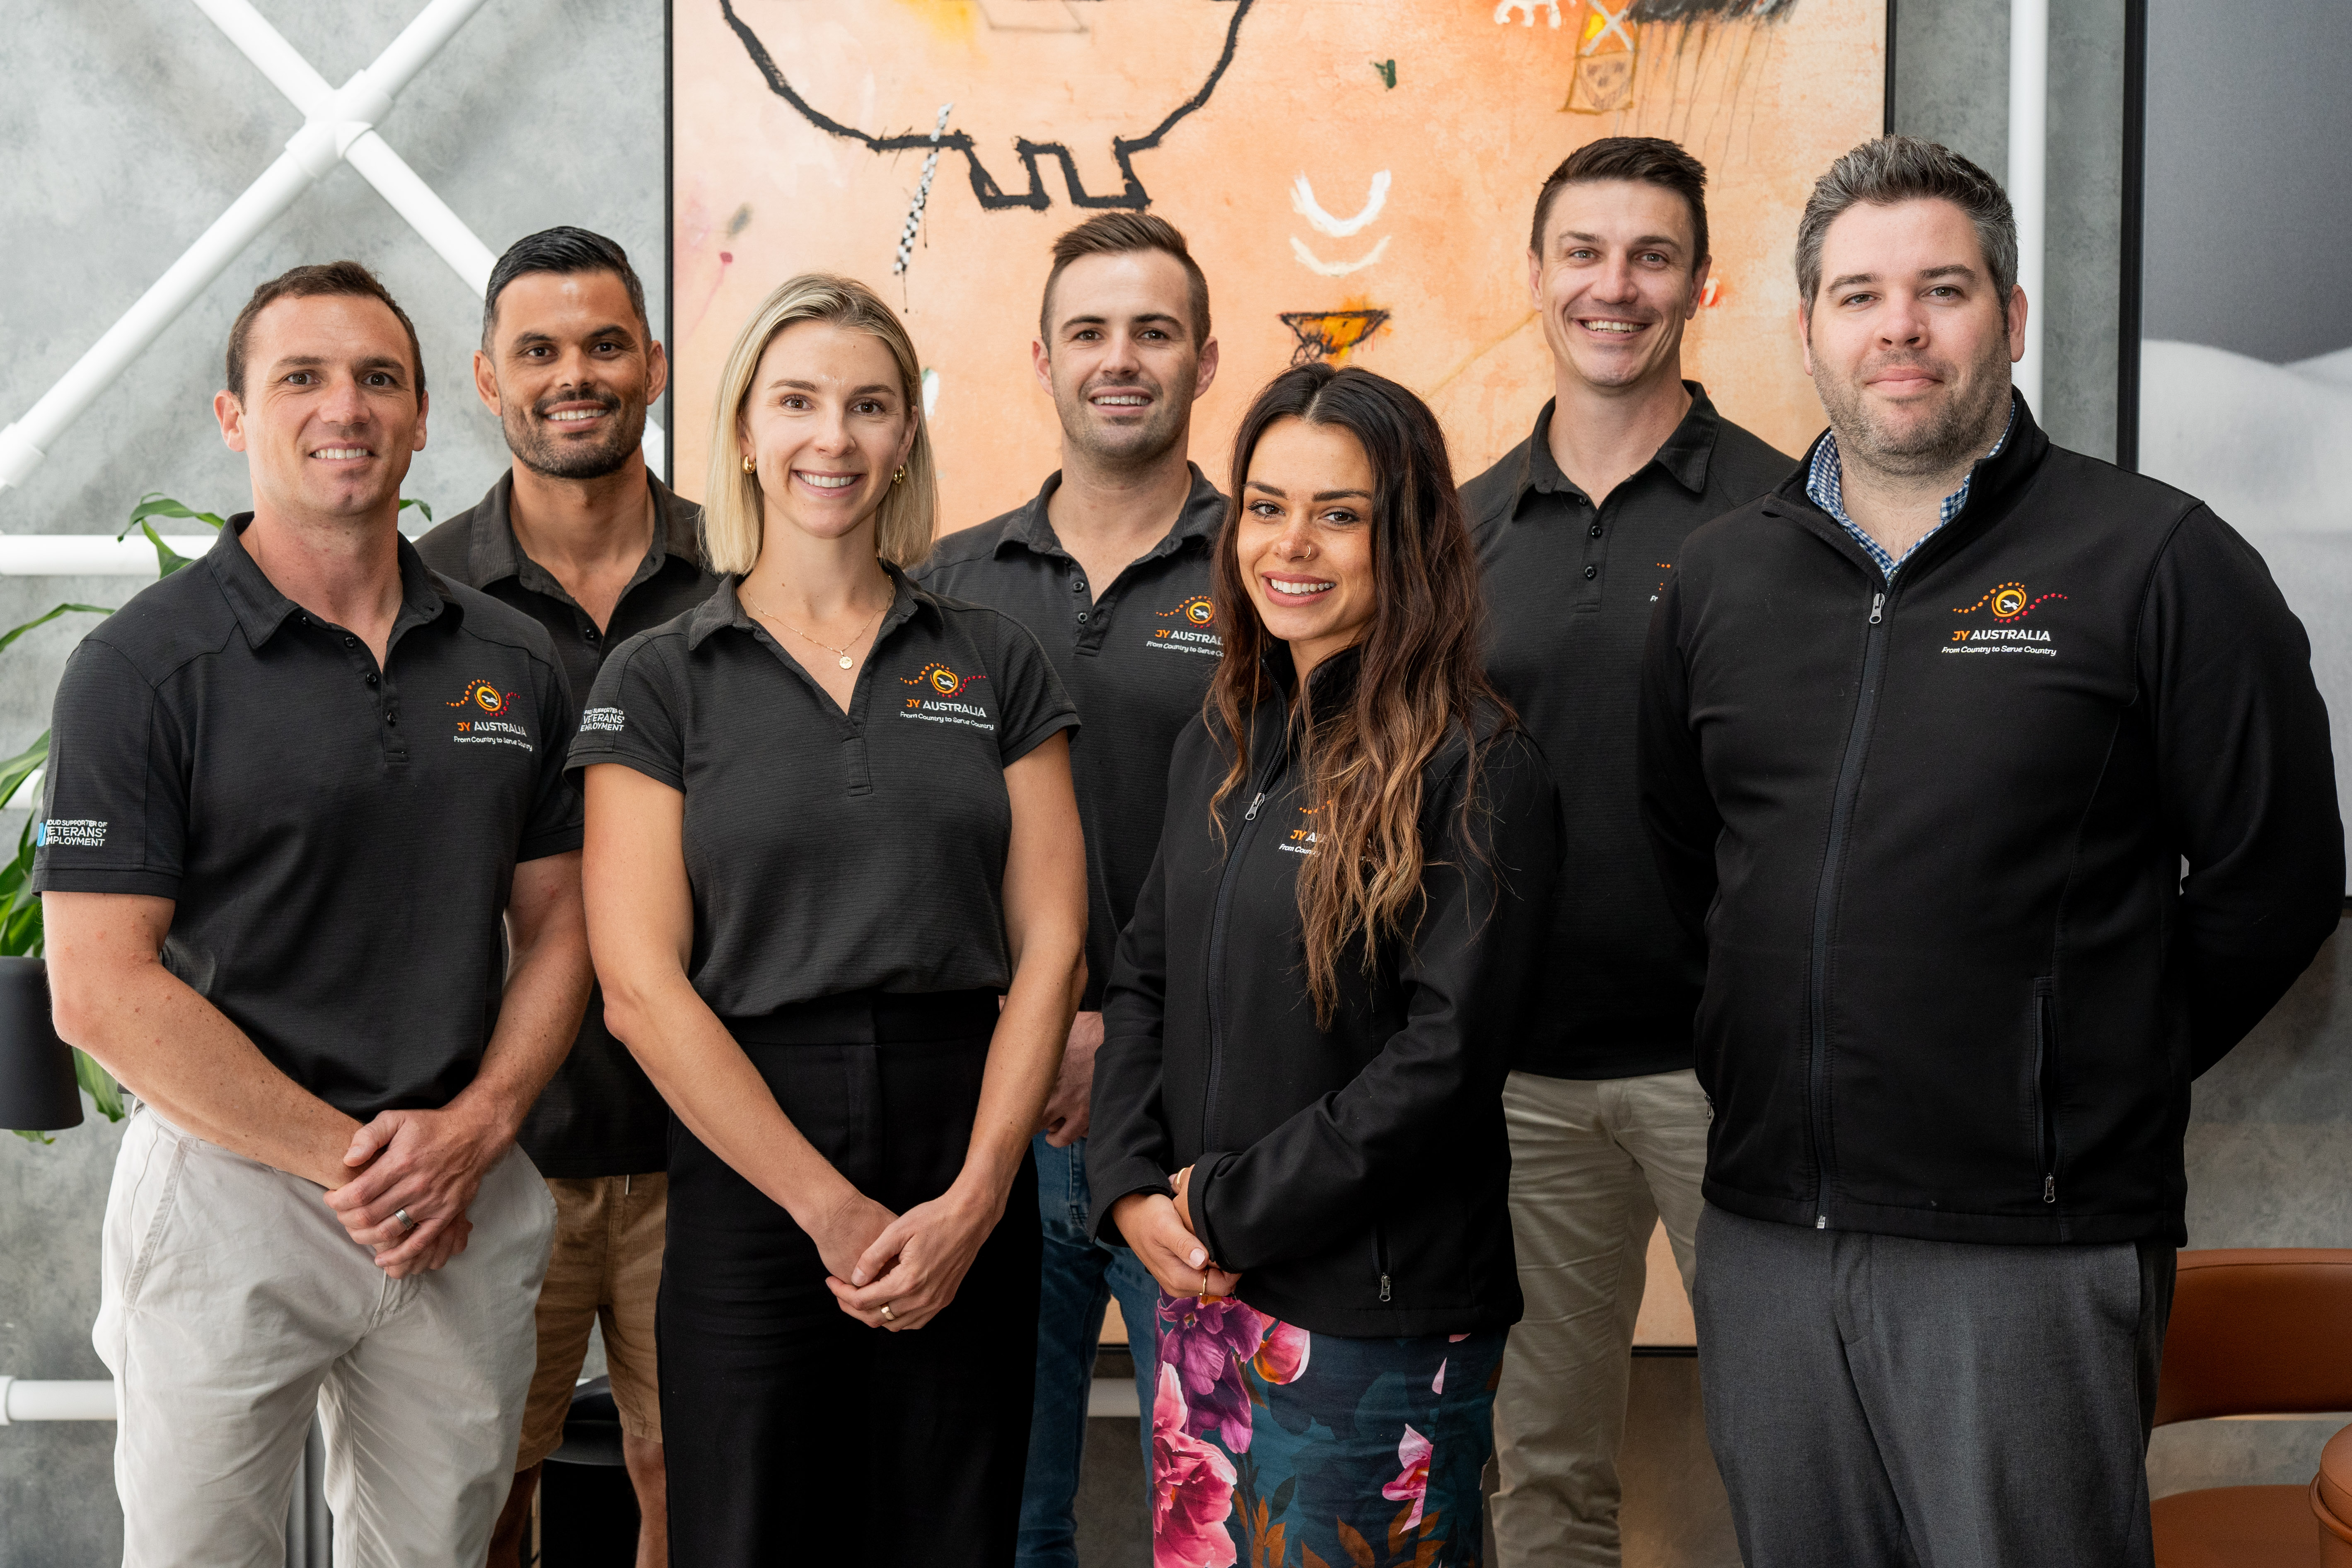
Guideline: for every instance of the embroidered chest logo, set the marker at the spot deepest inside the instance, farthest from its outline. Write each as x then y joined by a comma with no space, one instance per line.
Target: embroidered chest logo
940,687
2011,605
1197,612
479,724
1303,837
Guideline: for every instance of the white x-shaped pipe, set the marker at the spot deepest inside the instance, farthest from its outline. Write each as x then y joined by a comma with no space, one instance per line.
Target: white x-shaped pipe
339,126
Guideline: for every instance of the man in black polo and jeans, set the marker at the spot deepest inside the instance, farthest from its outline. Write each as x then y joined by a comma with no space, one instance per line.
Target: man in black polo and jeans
1110,567
310,874
1577,528
1929,735
580,536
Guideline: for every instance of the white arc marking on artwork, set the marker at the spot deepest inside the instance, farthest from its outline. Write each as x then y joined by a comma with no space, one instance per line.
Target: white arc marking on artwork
930,391
1303,203
1315,263
1503,12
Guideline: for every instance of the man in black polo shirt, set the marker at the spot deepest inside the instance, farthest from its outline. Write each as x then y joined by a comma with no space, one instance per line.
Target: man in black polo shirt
310,875
1109,566
1578,528
580,536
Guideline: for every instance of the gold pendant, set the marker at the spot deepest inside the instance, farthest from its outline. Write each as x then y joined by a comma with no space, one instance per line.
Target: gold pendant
846,661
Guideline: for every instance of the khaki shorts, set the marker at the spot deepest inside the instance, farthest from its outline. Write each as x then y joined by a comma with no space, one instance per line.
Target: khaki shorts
606,1268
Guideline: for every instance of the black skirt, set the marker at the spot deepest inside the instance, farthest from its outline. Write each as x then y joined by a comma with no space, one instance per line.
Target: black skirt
792,1431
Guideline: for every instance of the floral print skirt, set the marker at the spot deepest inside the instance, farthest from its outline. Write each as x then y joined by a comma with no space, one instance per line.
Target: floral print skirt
1275,1448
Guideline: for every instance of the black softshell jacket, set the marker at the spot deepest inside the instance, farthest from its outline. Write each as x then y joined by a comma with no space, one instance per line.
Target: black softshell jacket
1957,984
1357,1177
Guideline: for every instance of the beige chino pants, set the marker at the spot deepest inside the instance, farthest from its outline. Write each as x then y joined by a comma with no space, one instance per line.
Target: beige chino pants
234,1304
1595,1163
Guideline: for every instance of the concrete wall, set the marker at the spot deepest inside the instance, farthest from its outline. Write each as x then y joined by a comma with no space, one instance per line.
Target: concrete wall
125,132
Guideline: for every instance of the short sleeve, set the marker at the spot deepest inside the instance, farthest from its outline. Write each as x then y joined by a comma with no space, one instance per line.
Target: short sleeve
114,805
1031,704
556,820
632,716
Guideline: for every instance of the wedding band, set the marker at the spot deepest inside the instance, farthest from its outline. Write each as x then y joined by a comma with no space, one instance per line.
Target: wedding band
406,1223
886,1312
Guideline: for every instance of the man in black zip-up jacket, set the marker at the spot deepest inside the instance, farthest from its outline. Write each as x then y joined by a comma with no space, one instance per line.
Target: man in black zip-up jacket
1923,763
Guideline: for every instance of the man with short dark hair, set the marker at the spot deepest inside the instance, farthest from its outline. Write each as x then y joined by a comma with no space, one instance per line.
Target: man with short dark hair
1577,528
1928,736
1109,567
310,871
579,535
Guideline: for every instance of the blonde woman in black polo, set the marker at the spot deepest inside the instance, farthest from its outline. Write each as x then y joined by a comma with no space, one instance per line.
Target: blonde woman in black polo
830,824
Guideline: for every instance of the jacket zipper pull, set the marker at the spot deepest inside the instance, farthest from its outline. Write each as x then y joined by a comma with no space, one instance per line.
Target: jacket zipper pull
1384,1287
1251,815
1875,601
2050,1188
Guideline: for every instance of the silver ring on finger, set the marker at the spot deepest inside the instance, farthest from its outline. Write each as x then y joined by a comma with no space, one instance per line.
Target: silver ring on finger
402,1217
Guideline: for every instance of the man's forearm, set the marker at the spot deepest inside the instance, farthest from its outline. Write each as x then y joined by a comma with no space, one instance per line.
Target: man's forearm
181,1055
538,1017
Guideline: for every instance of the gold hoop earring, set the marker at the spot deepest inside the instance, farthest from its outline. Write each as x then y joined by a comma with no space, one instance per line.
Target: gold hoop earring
751,465
898,475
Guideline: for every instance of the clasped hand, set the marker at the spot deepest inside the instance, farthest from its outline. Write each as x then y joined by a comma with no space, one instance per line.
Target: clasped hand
428,1163
912,1263
1160,1231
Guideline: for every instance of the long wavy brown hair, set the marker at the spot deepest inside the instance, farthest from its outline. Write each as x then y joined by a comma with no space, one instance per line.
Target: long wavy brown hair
1421,677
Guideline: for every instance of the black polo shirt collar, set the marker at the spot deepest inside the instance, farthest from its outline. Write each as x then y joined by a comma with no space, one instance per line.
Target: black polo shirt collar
1203,514
261,609
1684,455
494,553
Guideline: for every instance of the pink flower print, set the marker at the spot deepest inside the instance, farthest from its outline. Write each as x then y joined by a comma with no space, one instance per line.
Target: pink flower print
1208,1342
1437,1384
1282,1357
1412,1452
1192,1487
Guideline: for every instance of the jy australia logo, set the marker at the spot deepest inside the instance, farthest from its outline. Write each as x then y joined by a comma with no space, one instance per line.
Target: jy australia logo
2011,605
1303,837
1189,635
478,723
939,686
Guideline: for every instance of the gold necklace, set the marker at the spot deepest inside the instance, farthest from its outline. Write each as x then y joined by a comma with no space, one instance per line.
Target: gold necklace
842,652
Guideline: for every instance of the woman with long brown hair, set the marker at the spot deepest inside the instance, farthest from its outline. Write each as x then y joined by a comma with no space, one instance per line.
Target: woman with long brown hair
1298,1122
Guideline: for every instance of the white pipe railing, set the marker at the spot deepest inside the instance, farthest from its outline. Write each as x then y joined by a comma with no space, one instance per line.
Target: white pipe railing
23,1399
339,125
88,554
2029,155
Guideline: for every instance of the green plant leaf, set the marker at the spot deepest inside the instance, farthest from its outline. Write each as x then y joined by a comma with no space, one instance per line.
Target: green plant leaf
407,501
33,1137
13,633
167,560
20,767
155,504
104,1093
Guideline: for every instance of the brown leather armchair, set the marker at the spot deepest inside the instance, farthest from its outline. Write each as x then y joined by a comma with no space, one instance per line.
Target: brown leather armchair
2260,1332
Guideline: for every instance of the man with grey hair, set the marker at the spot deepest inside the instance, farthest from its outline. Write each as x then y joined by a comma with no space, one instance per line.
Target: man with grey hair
1928,736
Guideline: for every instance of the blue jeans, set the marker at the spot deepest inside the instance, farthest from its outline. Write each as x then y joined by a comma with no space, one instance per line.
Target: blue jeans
1078,1278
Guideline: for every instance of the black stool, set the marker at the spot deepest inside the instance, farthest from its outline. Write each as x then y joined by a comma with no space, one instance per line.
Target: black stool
587,1508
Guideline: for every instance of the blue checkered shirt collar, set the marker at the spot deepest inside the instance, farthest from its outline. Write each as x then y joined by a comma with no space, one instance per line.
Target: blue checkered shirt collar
1824,484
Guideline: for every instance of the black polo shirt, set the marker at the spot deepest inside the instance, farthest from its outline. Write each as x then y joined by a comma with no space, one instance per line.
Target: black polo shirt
1137,659
340,840
1569,588
600,1115
831,852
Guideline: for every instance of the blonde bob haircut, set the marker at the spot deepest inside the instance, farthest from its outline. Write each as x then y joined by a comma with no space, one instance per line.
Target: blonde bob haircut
731,517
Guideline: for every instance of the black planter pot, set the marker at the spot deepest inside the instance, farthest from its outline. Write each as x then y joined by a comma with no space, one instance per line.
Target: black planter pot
38,1093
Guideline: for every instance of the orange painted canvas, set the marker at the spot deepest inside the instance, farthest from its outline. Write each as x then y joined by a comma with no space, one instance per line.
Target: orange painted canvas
1356,177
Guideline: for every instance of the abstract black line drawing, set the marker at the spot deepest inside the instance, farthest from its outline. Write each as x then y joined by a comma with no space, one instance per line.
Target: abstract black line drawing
985,187
1329,334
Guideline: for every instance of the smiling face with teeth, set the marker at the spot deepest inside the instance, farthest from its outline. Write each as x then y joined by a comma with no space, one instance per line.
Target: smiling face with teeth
570,372
1304,539
1615,283
1124,364
826,422
331,414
